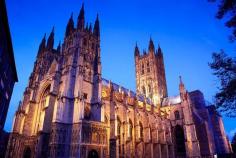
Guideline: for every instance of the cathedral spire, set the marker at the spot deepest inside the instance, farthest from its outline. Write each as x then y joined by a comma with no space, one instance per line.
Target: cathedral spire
50,41
151,47
136,50
96,29
81,20
42,44
70,26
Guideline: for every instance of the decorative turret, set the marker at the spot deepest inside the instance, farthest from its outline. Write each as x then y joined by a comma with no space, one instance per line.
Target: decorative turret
70,26
50,41
151,47
182,90
181,86
96,29
136,50
42,45
81,20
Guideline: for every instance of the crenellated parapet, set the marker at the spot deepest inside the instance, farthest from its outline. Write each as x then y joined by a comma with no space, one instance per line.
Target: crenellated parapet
116,93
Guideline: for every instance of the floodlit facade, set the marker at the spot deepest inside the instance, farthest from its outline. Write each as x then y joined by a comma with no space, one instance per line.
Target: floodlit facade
69,110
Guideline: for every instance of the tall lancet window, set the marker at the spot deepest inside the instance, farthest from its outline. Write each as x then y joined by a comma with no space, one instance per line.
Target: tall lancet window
142,70
140,130
44,101
148,67
130,129
177,115
118,127
150,91
118,132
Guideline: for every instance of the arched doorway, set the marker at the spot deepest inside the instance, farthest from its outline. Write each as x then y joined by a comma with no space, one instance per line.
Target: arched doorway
180,150
27,152
93,154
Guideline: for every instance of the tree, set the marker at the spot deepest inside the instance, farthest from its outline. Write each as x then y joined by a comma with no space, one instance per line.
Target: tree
224,68
227,9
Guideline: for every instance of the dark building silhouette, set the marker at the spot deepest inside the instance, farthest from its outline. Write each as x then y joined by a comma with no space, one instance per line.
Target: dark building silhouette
8,75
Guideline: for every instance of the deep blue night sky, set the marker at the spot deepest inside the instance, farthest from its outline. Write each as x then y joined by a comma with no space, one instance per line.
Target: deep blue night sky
187,32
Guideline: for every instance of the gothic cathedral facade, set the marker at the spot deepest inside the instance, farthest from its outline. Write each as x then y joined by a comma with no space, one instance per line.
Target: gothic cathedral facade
69,110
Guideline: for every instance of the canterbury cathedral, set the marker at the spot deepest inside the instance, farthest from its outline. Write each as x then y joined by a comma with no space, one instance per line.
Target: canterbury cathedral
69,110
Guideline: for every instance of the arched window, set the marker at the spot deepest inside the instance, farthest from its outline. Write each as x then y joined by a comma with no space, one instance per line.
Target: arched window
87,111
150,91
148,67
179,142
44,101
141,130
27,152
118,126
144,90
93,154
130,129
142,69
177,116
119,135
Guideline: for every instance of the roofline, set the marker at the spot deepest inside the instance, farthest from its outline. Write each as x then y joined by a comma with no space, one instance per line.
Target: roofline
3,12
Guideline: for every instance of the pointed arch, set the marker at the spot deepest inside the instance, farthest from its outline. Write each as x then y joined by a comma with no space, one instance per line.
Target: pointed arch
43,106
180,150
27,152
93,154
177,115
43,88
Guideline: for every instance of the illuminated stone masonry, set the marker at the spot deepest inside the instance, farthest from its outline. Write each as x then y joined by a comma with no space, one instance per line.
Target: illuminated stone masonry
69,110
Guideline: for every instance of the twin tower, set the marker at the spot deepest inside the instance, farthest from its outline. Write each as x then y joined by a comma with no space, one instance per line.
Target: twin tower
150,73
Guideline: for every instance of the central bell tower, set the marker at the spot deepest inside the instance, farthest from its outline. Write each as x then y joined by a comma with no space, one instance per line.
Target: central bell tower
150,73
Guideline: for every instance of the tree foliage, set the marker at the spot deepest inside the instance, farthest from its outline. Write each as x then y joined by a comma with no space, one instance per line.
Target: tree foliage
224,68
227,9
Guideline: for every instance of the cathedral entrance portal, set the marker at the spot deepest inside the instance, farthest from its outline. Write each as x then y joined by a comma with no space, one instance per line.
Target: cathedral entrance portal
93,154
27,152
180,150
